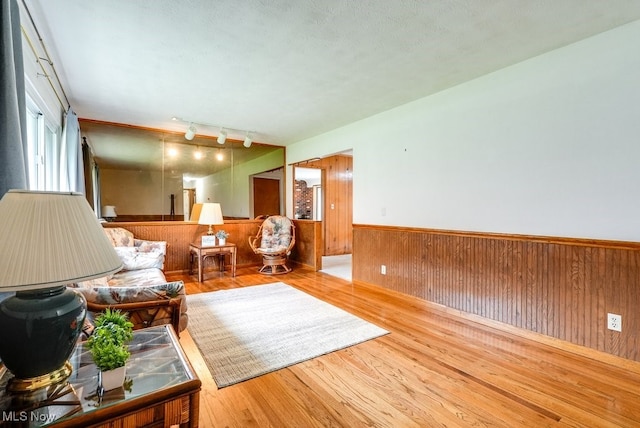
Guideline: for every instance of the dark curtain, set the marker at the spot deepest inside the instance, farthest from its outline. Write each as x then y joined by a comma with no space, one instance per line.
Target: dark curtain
13,131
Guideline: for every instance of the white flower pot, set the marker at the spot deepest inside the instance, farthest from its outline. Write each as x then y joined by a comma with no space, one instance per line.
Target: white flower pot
222,241
112,379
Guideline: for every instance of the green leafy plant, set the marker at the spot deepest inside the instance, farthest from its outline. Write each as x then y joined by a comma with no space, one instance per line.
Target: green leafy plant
221,234
118,323
108,342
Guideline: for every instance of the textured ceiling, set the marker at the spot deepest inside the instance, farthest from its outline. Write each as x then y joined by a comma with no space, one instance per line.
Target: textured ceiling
289,70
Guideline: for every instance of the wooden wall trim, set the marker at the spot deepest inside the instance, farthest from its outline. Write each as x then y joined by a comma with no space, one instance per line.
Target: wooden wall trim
600,243
558,287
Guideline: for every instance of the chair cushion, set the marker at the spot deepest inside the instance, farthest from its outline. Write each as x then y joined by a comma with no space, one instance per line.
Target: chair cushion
276,234
134,259
138,286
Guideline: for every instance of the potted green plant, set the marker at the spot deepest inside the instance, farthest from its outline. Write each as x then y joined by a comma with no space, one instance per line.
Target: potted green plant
107,345
222,237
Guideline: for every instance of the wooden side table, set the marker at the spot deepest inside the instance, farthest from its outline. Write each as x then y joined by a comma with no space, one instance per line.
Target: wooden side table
196,250
161,389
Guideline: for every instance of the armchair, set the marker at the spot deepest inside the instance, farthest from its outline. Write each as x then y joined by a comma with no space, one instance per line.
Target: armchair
140,288
274,241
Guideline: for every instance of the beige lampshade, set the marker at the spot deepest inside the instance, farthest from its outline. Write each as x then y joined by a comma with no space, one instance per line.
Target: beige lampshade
50,239
109,211
211,214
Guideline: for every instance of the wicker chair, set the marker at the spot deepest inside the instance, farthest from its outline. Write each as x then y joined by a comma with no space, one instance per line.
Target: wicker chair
274,241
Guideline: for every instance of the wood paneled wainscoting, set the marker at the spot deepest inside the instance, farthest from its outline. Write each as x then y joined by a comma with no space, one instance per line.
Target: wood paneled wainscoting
558,287
179,234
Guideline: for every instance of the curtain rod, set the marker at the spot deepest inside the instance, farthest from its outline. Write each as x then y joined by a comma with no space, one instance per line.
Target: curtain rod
47,58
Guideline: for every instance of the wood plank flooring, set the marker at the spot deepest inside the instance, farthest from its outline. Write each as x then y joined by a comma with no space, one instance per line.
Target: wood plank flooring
437,368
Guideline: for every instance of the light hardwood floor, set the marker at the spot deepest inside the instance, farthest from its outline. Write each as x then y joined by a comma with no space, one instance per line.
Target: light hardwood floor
437,368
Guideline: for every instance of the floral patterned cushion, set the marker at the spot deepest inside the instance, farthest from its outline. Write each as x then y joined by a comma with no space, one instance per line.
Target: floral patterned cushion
150,246
134,259
119,237
137,286
276,234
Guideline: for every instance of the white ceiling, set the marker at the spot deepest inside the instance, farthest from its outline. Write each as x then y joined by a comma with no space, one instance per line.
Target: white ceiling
292,69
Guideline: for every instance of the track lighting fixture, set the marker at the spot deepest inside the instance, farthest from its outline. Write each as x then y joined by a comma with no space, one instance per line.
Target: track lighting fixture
222,137
191,132
247,141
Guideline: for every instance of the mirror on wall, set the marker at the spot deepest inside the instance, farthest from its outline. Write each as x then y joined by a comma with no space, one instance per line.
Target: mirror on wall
150,175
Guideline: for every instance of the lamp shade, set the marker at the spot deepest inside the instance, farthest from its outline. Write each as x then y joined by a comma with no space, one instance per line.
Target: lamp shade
211,214
51,239
109,211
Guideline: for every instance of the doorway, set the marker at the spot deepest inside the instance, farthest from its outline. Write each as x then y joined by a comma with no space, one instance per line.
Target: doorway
330,202
188,199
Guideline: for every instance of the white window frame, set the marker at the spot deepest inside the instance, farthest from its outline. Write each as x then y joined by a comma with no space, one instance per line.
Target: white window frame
43,149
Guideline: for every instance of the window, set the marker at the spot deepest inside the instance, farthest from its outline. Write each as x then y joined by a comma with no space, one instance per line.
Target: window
43,141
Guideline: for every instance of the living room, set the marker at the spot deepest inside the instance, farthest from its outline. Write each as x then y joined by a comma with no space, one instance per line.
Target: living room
503,194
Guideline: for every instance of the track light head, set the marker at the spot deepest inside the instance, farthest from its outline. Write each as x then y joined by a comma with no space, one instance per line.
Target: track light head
191,132
222,137
247,141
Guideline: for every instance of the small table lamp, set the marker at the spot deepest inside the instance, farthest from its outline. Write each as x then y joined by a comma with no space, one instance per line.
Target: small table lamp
109,212
48,240
211,214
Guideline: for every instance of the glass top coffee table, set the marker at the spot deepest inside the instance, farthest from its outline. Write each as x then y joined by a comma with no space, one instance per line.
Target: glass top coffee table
160,386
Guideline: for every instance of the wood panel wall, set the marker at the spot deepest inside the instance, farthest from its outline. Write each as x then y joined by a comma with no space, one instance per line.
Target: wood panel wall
338,202
558,287
308,248
179,234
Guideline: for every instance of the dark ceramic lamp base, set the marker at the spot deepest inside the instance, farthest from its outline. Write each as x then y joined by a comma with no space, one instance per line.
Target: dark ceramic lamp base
38,335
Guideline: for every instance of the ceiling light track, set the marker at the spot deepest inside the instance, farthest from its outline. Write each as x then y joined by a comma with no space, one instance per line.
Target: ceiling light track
222,133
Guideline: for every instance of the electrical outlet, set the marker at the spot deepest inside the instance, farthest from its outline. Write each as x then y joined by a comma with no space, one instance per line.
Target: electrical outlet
383,269
614,322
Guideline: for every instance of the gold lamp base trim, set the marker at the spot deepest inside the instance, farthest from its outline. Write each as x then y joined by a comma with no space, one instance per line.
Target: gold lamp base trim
38,382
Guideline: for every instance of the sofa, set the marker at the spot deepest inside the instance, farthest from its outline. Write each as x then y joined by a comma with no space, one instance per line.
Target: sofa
140,287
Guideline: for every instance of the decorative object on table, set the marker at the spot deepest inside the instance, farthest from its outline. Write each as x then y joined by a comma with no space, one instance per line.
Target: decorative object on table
109,212
49,240
222,237
274,242
211,214
108,347
250,331
208,241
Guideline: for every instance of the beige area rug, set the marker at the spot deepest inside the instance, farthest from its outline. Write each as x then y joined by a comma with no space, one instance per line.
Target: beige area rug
247,332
